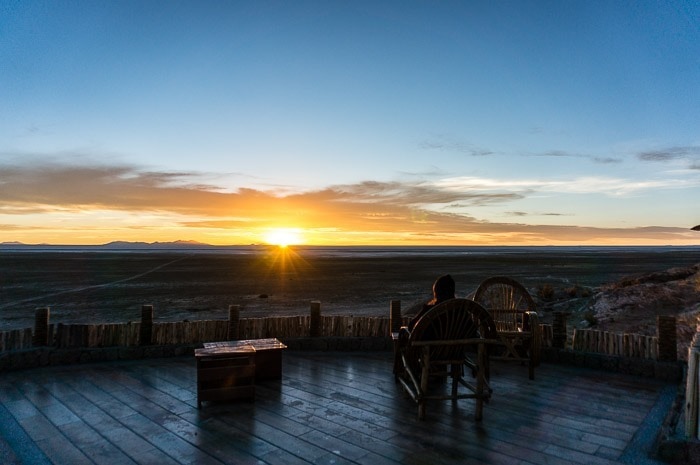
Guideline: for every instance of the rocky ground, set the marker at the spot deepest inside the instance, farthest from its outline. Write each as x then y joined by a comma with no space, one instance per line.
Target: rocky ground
630,304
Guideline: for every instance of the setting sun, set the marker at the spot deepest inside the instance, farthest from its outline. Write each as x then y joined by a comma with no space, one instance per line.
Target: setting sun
283,237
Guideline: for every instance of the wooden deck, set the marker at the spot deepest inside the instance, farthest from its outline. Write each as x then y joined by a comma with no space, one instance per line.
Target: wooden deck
332,408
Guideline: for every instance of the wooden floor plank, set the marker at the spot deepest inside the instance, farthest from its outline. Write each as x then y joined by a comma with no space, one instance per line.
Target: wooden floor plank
333,408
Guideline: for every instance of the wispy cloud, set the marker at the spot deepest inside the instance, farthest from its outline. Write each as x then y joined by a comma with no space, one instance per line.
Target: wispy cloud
450,144
523,214
580,185
671,154
408,194
606,160
565,154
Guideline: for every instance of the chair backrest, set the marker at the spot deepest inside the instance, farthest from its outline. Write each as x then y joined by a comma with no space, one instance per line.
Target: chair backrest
506,300
453,319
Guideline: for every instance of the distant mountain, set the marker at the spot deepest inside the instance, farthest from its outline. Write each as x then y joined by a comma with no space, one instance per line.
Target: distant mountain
156,245
114,245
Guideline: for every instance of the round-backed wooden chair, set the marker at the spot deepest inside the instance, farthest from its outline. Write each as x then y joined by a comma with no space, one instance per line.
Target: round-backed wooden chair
514,311
454,334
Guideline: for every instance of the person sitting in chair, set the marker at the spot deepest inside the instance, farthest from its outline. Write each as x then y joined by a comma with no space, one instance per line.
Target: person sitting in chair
443,289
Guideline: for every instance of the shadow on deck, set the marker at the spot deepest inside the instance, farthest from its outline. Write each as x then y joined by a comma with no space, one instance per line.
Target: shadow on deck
330,407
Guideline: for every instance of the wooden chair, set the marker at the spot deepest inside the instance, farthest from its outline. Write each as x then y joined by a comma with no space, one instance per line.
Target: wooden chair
513,310
449,337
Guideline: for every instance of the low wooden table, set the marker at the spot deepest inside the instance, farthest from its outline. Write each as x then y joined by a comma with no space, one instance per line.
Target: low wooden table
225,373
268,355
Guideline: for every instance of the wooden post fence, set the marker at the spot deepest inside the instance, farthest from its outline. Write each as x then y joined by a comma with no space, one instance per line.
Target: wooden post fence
666,332
234,320
395,316
559,330
41,327
146,333
315,322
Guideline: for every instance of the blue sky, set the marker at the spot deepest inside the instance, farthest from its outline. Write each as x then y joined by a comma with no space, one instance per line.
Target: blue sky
570,122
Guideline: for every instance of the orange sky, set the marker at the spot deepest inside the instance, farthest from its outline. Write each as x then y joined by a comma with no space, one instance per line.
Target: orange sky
96,204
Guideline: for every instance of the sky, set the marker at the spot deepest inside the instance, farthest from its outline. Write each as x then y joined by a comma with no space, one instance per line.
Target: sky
350,122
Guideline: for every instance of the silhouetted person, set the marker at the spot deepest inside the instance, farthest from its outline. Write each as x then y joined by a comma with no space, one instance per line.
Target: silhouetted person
443,289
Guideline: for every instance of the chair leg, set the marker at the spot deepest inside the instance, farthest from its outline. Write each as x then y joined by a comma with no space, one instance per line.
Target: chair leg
482,358
455,373
425,374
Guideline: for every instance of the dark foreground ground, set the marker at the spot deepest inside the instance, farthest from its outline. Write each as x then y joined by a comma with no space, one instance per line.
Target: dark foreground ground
93,287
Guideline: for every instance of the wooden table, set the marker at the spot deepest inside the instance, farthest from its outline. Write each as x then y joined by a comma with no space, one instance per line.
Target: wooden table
268,355
225,373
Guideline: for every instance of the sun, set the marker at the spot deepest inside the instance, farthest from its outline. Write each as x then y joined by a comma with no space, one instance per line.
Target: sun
283,237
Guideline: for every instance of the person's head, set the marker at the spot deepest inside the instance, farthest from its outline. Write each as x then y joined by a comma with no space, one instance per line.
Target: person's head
444,288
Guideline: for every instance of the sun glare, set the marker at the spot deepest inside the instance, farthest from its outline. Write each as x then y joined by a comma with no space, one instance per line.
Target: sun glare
283,237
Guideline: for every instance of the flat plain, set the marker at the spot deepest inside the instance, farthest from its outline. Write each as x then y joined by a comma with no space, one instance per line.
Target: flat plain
104,287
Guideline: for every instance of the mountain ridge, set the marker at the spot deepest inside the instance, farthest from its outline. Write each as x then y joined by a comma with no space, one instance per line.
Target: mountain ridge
179,244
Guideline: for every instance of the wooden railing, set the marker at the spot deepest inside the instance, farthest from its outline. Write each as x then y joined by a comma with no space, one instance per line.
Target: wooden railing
191,332
148,332
662,347
609,343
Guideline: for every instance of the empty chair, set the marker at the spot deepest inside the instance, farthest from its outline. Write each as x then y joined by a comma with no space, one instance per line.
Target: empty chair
513,310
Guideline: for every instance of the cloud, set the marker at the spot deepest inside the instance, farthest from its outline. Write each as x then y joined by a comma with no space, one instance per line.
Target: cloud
445,143
564,154
581,185
40,187
606,160
10,227
154,200
670,154
35,186
405,194
521,213
449,144
559,154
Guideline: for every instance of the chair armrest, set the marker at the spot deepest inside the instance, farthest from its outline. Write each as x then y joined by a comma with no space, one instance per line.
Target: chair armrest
402,337
531,321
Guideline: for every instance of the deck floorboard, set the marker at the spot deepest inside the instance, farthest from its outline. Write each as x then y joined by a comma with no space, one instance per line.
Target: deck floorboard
329,407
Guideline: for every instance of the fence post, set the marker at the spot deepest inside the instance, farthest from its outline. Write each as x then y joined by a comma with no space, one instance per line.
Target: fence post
41,327
315,323
146,333
692,388
666,332
395,316
234,318
559,330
